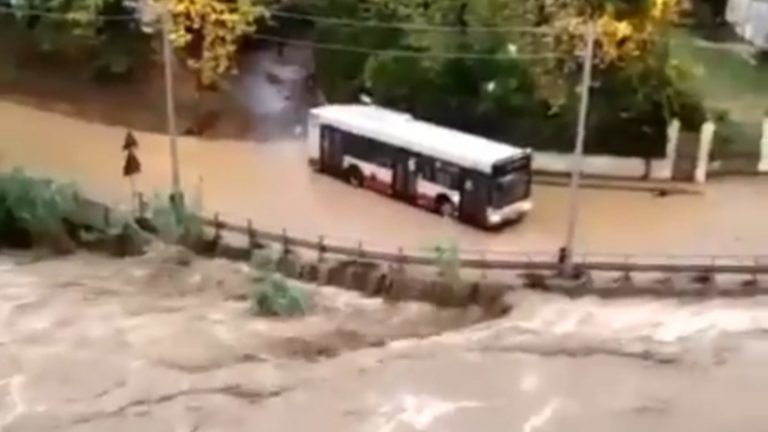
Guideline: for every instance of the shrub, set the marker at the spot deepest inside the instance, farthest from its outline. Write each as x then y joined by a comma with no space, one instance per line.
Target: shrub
174,224
275,296
264,260
448,261
35,211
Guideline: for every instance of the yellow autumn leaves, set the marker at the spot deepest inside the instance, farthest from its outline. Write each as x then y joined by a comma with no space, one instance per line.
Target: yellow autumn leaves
209,32
622,40
626,39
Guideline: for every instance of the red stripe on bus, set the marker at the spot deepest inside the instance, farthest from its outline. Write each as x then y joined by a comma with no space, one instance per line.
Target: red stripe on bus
377,185
426,201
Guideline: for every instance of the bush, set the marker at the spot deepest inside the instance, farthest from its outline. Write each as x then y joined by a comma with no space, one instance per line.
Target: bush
174,224
275,296
448,262
35,211
264,260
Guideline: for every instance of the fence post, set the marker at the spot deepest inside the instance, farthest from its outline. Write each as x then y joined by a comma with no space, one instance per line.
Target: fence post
142,204
107,217
360,253
626,277
755,280
320,249
285,242
251,235
712,288
216,229
483,270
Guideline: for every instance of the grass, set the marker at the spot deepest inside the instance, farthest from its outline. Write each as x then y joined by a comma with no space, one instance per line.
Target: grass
727,83
724,77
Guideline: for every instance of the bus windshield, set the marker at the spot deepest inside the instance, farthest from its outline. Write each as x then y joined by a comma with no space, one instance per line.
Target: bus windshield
510,189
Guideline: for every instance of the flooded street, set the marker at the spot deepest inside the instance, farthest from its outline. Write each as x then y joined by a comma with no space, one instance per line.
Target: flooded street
272,185
91,344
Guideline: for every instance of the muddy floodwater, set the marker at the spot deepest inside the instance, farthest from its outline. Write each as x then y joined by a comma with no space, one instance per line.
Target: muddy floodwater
161,344
272,185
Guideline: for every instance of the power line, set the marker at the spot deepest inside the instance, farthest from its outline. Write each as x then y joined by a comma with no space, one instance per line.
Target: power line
309,44
64,15
407,26
401,52
308,17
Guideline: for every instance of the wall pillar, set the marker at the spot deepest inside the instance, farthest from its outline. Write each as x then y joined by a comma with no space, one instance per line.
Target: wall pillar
705,145
762,166
666,172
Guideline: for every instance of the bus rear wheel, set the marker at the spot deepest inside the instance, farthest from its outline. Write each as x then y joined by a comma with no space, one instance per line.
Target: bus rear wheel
445,207
354,176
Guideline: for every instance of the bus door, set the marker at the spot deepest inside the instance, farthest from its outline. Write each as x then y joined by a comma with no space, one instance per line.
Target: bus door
474,199
404,175
331,151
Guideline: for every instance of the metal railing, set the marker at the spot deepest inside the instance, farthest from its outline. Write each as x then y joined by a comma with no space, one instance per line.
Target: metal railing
504,260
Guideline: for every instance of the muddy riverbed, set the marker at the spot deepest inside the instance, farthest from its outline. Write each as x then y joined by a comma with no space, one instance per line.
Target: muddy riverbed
162,343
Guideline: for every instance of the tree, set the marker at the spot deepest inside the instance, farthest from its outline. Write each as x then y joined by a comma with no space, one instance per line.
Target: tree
80,32
209,33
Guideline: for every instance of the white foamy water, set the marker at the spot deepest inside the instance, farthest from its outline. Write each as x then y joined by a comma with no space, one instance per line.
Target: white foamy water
659,320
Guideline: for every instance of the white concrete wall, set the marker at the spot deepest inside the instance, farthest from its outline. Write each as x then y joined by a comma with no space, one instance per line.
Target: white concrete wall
706,139
763,164
614,166
600,165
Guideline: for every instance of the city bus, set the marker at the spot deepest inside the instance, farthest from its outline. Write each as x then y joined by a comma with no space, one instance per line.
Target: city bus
454,174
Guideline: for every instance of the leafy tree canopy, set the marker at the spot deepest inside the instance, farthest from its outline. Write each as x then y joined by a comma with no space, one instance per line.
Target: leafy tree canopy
209,32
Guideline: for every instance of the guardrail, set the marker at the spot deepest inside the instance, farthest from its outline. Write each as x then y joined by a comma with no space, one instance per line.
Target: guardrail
498,260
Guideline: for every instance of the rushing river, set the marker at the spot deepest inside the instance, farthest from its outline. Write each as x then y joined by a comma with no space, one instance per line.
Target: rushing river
92,344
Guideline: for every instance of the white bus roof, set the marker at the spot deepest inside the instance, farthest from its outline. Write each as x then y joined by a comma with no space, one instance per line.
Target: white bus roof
403,130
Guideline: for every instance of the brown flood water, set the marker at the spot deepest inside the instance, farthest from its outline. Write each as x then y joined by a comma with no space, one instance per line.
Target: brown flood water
91,344
272,185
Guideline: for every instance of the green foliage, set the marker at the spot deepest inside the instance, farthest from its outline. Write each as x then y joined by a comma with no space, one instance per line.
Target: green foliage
36,209
526,101
75,34
339,73
174,223
448,261
275,296
264,260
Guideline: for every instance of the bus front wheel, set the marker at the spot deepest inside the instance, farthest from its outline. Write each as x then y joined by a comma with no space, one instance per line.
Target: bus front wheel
354,176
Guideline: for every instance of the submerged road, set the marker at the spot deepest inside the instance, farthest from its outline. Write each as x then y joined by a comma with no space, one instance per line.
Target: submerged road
272,185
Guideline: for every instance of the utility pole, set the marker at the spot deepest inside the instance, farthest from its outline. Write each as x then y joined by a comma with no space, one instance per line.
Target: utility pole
578,153
170,105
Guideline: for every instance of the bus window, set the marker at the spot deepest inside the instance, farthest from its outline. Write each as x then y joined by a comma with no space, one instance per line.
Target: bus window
359,147
508,190
447,175
426,168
